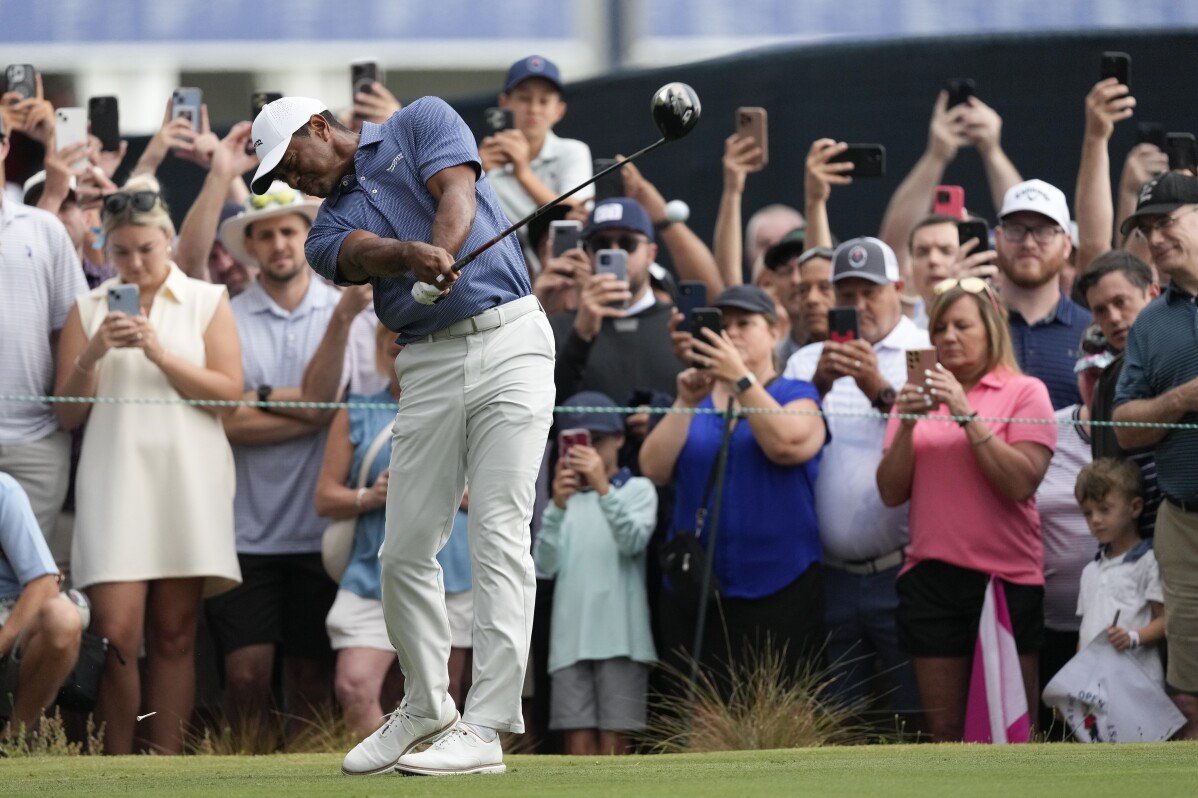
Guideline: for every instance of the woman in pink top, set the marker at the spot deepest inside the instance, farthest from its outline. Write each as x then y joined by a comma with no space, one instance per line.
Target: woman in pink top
972,487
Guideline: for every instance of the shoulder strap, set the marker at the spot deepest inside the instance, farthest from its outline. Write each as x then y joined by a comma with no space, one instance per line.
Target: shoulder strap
376,446
721,455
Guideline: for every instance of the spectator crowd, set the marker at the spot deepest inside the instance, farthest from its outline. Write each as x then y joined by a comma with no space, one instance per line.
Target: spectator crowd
871,431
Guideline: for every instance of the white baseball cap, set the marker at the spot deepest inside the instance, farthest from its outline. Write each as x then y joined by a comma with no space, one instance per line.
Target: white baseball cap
1039,197
272,131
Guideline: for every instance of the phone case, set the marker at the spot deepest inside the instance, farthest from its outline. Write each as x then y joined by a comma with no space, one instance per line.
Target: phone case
567,439
692,294
186,103
124,299
21,78
1116,65
949,201
918,362
70,127
362,74
869,160
565,236
104,115
974,229
753,122
498,119
843,325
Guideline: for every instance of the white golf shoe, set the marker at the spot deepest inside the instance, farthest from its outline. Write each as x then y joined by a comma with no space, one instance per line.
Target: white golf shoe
459,751
402,732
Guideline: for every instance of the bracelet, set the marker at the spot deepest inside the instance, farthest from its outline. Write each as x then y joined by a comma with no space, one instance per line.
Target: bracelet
963,423
1134,636
989,435
358,498
82,370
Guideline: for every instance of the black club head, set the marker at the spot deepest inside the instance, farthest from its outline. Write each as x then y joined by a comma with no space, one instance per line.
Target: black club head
675,110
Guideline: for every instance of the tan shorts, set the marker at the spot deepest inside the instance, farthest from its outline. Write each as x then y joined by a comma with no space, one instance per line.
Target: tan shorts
1176,545
356,622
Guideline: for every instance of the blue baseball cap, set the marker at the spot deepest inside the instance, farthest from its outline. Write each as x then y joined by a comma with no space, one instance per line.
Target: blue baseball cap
534,66
597,422
618,213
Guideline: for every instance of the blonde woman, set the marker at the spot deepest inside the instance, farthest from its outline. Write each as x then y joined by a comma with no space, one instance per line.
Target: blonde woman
154,522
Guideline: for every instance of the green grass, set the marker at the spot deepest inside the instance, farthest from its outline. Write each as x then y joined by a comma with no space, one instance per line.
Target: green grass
923,771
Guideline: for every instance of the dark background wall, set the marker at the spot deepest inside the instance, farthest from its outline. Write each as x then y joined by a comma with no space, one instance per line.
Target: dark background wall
864,92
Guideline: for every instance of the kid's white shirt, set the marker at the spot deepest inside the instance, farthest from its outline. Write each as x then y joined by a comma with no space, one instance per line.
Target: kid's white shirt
1123,585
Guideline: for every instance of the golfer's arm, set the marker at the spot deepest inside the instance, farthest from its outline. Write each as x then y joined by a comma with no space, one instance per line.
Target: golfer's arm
364,255
453,191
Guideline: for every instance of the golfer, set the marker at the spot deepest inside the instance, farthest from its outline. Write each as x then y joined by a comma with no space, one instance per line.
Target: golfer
401,200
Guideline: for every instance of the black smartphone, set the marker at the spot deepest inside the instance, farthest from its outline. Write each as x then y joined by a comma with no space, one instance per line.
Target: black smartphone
869,160
692,294
1181,151
706,319
104,115
844,325
22,78
1150,133
361,75
974,228
1116,65
497,119
959,90
565,235
608,186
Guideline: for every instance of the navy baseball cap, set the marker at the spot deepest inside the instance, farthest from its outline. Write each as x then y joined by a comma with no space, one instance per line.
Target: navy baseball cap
619,213
602,423
749,298
534,66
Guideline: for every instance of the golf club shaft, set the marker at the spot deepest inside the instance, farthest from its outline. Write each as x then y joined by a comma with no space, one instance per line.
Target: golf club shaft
457,267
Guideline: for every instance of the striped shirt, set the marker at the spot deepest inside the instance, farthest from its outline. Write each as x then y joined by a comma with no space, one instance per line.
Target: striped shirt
273,506
40,277
1047,350
387,195
1161,354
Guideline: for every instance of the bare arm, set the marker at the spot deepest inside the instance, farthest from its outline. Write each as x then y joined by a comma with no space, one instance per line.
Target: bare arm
897,468
983,128
1107,103
820,176
787,440
740,158
453,190
75,377
323,380
1170,407
1015,469
659,452
229,162
33,596
251,426
1144,162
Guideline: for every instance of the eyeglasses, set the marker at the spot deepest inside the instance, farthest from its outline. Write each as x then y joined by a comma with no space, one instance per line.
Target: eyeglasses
140,201
627,242
970,285
282,196
1164,223
1044,233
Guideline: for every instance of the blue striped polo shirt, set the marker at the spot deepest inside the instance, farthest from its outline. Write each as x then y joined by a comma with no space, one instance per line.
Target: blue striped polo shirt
1162,353
387,195
1047,350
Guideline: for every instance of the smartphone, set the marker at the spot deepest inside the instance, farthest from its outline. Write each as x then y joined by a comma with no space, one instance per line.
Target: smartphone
608,186
959,90
104,115
497,119
567,439
70,127
692,294
1150,133
974,228
22,78
869,160
258,101
844,325
919,362
186,102
361,75
751,122
1181,151
566,234
706,319
1116,65
949,201
613,261
124,298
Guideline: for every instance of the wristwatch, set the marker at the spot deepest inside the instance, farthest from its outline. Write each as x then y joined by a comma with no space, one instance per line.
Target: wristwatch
884,400
264,392
745,383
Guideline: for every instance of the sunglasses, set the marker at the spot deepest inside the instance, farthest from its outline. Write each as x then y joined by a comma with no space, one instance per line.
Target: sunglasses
282,196
627,242
139,201
970,285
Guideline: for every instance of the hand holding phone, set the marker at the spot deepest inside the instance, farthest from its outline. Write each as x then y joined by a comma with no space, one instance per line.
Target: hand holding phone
498,120
705,319
566,440
104,115
70,128
919,363
361,75
613,262
692,294
186,102
565,235
868,160
1115,65
959,90
974,228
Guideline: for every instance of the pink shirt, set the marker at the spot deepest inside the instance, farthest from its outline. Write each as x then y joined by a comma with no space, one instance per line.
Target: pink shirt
956,515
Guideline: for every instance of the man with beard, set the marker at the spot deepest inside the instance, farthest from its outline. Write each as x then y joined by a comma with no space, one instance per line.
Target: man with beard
1046,327
280,607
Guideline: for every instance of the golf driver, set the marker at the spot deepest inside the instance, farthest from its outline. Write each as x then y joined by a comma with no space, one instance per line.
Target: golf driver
675,108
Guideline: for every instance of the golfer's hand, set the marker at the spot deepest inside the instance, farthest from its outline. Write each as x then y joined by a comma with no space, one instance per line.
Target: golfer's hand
427,263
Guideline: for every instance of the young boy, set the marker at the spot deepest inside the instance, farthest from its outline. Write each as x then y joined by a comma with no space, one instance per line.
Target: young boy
592,539
1121,594
529,165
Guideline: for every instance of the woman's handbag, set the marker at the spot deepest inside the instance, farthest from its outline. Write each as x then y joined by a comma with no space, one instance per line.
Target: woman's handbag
337,543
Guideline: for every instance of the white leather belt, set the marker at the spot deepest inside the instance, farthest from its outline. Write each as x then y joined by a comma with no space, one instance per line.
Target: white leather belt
867,567
488,319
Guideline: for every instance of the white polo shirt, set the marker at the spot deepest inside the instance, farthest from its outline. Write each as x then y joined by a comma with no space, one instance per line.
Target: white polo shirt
1123,585
854,525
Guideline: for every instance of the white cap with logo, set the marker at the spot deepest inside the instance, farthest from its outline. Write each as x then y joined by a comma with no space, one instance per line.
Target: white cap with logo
272,131
1036,196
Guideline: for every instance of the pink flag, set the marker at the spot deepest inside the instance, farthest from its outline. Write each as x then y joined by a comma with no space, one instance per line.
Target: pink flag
997,708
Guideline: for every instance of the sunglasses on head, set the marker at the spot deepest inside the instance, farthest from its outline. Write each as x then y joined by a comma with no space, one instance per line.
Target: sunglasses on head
970,285
626,241
140,201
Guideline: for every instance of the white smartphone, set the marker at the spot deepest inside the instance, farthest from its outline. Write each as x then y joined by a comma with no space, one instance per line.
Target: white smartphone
70,127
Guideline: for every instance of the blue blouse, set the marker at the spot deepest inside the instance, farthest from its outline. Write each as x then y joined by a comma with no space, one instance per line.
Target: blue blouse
768,534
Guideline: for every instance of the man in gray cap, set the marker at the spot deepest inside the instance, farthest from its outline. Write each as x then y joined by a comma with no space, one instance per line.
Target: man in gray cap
863,540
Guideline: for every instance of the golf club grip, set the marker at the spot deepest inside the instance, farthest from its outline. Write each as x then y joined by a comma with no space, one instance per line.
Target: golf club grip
462,262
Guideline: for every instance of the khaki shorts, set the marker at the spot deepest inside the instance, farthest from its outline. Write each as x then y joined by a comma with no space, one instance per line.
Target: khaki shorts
1176,546
356,622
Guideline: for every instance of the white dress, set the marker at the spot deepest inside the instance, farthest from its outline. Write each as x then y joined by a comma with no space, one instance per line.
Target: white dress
154,490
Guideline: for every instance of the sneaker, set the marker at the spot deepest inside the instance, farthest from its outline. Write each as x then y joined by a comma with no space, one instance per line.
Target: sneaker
402,732
459,751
